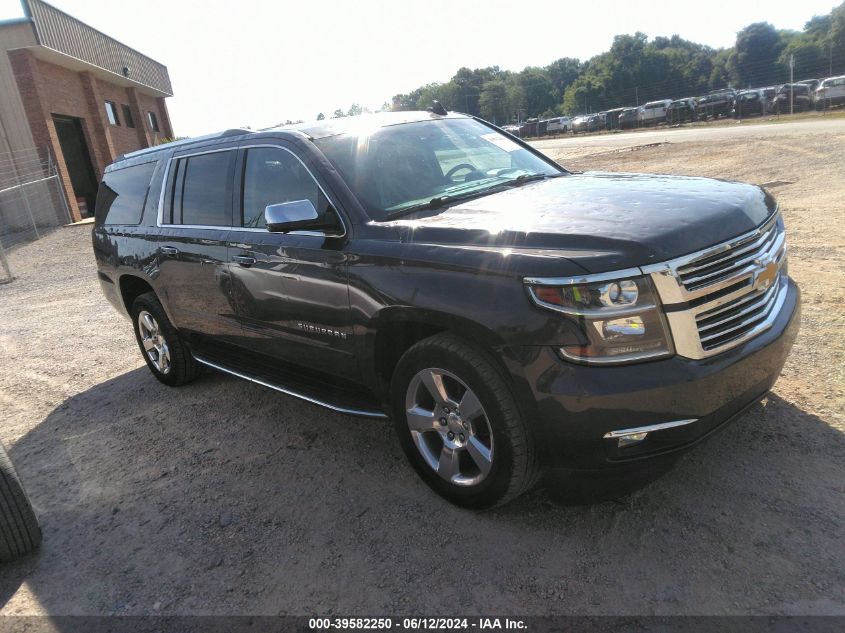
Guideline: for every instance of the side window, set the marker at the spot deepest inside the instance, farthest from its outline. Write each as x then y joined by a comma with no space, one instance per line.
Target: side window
199,190
272,176
120,199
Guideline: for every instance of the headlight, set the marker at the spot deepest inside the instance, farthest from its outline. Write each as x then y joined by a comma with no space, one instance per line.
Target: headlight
620,318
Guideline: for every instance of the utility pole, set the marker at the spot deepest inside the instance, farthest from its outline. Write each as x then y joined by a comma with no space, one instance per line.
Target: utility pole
791,85
637,95
830,59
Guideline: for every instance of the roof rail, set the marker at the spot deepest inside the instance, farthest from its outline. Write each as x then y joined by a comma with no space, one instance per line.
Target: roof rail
185,141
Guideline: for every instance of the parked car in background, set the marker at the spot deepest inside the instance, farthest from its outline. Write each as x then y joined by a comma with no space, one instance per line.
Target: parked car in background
579,124
812,84
595,122
511,129
681,110
798,93
749,103
611,121
558,125
654,112
769,92
716,104
830,92
629,118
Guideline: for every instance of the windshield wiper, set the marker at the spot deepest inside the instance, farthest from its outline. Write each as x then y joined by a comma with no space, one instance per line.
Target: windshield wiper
439,201
525,178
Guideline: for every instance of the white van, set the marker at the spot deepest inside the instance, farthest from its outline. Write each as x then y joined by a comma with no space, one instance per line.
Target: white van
830,92
654,112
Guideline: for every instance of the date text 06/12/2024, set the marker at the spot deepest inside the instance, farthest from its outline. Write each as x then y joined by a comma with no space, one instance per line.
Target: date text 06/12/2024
413,624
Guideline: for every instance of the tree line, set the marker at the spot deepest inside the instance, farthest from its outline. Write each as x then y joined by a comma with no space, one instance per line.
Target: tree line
636,70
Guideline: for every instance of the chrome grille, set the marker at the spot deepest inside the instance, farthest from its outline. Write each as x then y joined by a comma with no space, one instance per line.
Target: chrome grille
725,295
717,267
719,326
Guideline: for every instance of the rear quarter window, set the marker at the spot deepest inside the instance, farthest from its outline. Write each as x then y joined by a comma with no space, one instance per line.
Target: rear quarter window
122,193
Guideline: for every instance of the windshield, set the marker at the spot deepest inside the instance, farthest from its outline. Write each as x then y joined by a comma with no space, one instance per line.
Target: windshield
401,167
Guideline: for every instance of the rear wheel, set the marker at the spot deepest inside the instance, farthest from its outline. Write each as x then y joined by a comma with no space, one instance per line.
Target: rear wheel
167,356
459,424
19,531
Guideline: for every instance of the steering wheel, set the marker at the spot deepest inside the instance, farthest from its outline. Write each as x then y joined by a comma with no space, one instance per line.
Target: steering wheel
457,168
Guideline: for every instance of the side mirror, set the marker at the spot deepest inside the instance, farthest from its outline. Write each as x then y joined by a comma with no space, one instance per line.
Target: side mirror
290,216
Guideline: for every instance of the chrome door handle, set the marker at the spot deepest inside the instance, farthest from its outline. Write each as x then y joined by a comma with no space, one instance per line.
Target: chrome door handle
169,250
243,260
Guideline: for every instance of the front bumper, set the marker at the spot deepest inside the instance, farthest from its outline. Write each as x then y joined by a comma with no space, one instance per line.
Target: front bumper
576,406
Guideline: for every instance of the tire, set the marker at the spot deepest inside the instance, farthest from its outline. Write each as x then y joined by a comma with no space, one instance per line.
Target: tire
180,367
498,427
19,531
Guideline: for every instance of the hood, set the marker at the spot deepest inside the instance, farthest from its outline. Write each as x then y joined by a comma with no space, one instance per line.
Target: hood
601,221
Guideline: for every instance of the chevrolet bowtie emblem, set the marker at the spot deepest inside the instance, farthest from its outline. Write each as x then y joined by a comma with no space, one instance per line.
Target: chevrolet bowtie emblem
766,275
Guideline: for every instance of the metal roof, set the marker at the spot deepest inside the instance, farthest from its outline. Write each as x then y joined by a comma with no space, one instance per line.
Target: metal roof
60,32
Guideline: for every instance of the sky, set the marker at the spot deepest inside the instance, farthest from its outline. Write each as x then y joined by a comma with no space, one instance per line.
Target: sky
260,62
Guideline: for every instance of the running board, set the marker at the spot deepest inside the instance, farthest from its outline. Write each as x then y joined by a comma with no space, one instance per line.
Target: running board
364,413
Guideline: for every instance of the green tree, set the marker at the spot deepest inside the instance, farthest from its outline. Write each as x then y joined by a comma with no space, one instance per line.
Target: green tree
756,53
561,73
493,102
321,116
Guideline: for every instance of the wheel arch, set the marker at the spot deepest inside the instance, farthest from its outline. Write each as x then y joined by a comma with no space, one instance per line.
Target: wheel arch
131,287
395,330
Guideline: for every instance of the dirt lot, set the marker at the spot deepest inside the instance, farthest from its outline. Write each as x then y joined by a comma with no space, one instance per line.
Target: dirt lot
226,498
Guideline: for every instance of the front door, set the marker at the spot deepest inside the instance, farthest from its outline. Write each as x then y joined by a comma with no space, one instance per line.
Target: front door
289,290
193,232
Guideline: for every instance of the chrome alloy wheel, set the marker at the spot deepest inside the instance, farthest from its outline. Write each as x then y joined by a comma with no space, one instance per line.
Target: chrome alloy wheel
153,341
449,427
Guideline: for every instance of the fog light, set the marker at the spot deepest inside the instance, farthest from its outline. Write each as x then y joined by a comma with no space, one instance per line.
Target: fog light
633,438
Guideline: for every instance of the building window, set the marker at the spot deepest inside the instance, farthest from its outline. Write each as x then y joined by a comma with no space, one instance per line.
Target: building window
127,116
153,119
111,113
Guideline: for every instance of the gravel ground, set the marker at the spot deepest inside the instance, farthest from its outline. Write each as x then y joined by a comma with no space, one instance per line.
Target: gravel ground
226,498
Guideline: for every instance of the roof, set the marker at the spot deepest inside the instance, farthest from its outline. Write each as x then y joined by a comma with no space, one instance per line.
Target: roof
313,129
354,124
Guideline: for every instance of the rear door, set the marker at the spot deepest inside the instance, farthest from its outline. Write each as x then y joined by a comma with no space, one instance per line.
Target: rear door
289,290
194,222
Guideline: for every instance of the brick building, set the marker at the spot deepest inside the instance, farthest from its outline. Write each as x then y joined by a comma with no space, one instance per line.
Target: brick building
77,94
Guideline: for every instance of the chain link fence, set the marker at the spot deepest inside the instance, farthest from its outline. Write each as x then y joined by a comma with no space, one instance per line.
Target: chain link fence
32,200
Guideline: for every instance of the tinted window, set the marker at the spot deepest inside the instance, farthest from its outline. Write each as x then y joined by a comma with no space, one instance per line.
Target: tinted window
271,176
153,120
120,199
201,189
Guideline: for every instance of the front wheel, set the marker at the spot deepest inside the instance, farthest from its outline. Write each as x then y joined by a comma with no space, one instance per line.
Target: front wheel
459,424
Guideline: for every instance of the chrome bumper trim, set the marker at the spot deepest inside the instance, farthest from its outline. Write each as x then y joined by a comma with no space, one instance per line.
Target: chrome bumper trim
647,429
